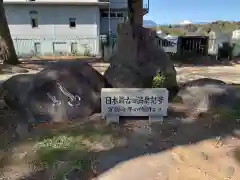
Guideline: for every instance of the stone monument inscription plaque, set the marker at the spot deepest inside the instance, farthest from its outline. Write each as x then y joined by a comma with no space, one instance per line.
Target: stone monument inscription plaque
151,102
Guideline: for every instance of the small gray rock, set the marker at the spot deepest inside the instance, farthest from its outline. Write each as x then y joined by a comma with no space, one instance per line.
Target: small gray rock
75,174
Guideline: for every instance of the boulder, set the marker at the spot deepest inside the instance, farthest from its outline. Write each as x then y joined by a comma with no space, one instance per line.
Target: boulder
137,59
15,91
76,68
207,95
63,91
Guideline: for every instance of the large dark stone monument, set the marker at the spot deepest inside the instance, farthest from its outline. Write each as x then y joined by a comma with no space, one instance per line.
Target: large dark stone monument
61,92
137,59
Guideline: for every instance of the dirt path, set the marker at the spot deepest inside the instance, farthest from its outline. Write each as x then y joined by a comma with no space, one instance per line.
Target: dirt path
230,74
164,153
202,161
169,151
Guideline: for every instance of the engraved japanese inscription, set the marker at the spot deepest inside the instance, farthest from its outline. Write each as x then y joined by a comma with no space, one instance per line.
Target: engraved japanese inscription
134,102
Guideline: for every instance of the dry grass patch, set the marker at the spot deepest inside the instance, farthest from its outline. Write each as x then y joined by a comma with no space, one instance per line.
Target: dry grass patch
61,149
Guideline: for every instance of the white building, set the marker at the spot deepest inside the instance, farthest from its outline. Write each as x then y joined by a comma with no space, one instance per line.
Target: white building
60,26
236,34
216,39
161,34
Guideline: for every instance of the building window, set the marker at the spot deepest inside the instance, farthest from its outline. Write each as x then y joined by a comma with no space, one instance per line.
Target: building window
119,14
34,19
74,48
112,14
104,14
72,22
34,22
60,48
37,48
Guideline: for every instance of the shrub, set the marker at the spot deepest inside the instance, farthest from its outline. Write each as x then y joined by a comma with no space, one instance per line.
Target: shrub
159,80
162,80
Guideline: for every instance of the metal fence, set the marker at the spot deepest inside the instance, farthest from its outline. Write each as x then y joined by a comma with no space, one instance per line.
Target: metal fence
194,46
61,45
191,45
82,46
169,46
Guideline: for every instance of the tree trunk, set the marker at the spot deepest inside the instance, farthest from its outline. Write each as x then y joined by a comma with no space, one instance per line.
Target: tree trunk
7,52
138,12
135,9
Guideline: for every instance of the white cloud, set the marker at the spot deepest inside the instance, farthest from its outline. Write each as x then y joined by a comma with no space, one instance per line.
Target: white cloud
185,22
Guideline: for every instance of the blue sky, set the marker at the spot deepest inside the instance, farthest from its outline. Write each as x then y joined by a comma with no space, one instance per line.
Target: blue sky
175,11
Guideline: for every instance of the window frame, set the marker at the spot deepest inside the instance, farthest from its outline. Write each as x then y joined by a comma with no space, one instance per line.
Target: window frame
113,14
72,20
34,19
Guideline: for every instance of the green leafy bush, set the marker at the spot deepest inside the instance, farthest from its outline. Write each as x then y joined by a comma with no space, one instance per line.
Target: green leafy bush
162,80
159,80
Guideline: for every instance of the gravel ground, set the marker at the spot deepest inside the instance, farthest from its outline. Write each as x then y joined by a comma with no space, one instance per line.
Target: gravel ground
230,74
147,149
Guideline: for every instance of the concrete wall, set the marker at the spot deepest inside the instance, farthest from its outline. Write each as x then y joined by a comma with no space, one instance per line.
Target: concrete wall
53,20
114,21
53,26
215,39
118,4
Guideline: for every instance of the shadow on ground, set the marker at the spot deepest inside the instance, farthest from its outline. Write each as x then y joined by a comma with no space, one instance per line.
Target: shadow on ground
47,62
237,154
167,136
203,61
